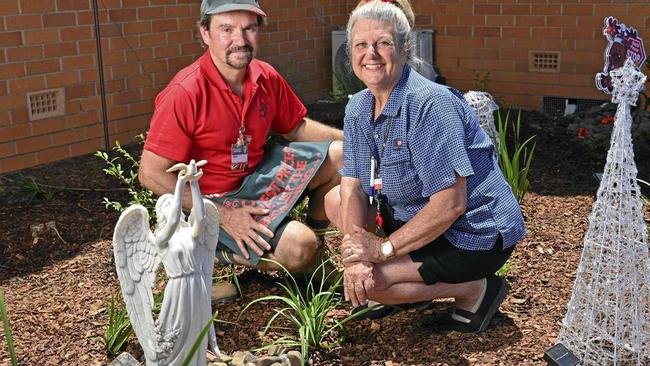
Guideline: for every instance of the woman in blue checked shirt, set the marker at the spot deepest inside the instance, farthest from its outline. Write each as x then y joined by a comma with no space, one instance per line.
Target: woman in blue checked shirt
424,208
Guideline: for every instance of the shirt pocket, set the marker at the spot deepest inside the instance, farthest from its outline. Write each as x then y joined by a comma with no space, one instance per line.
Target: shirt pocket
399,179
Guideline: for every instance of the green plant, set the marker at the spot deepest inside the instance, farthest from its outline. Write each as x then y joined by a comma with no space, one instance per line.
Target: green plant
7,329
515,167
32,190
308,313
199,339
299,211
118,328
503,271
116,168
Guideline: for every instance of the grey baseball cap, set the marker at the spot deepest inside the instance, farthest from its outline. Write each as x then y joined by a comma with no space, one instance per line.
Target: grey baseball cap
221,6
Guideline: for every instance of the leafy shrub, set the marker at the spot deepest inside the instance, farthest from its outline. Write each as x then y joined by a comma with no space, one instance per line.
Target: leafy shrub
308,312
516,166
116,168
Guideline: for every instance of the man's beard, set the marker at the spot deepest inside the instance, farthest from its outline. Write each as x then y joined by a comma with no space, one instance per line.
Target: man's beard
239,63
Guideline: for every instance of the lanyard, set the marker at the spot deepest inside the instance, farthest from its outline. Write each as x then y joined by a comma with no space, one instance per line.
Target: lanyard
375,161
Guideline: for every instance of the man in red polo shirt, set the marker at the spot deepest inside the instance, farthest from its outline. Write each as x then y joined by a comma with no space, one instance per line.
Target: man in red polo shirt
222,108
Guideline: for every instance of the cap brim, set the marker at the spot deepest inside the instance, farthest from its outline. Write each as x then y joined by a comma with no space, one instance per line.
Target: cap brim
234,7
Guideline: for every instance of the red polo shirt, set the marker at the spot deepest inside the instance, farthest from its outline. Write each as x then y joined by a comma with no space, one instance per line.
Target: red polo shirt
197,116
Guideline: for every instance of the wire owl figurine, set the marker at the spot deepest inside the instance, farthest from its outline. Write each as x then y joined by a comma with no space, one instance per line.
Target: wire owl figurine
186,249
484,106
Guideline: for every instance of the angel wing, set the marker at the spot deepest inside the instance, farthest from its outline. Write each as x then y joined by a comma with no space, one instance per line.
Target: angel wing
136,261
209,238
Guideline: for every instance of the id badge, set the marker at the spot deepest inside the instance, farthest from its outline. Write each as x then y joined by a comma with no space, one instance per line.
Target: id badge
238,157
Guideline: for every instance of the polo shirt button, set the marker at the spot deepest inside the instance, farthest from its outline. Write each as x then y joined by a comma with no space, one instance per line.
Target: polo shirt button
376,136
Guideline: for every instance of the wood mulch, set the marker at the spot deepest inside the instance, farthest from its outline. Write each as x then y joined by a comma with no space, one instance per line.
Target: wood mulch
58,277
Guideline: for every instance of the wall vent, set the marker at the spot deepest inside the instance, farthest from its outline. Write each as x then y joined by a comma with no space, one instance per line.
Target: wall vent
45,104
544,61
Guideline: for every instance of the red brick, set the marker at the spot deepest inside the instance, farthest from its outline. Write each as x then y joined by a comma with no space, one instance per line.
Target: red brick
11,39
136,27
151,12
32,144
27,84
571,9
38,37
487,9
62,5
515,9
121,15
53,154
177,11
167,51
19,116
23,22
48,125
24,53
60,49
78,62
43,66
36,6
8,7
82,119
153,39
61,79
164,25
17,162
59,19
76,33
87,146
14,70
7,149
79,90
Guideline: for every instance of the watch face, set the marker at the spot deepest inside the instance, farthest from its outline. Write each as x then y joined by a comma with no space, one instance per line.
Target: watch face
386,248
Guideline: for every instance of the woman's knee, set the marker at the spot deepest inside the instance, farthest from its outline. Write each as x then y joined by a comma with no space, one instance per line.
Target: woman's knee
332,203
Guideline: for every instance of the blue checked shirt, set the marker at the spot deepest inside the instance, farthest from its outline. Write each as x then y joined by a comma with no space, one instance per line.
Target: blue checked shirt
434,134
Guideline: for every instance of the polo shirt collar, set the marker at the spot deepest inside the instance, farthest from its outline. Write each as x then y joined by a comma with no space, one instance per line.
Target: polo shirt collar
396,99
215,78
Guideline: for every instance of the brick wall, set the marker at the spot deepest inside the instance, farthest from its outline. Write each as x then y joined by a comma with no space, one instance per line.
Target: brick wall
51,44
474,37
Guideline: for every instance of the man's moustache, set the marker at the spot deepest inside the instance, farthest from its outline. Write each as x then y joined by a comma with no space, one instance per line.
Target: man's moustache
240,49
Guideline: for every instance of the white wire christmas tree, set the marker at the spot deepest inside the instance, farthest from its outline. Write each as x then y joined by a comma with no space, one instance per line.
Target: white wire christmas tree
484,105
608,317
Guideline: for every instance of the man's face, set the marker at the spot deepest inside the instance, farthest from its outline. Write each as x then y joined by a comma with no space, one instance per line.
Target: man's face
232,39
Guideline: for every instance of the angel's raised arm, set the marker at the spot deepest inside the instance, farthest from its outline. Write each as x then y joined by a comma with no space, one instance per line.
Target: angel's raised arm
198,208
174,212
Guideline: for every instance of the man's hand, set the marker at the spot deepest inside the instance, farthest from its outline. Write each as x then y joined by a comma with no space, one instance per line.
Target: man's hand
358,282
361,246
240,224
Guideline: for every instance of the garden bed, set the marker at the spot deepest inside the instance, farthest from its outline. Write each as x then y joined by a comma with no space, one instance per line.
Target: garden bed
58,277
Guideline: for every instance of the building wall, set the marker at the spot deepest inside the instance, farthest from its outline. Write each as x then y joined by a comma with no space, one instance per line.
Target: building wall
476,37
51,44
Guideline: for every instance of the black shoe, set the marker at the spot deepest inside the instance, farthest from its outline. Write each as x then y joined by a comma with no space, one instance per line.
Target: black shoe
497,289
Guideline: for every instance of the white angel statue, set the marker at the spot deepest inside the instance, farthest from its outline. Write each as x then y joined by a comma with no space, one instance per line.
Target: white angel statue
186,249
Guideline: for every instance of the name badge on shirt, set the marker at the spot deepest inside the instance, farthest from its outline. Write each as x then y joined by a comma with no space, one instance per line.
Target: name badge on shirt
239,156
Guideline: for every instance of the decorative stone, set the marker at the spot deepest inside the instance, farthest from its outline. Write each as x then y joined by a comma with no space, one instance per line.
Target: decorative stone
218,364
186,248
295,358
267,360
225,358
125,359
276,350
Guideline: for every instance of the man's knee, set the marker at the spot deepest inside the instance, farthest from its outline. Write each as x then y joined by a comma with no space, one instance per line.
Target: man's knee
332,204
335,154
297,248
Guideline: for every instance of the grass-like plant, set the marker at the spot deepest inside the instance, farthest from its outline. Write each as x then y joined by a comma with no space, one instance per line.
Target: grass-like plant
7,329
308,311
117,167
118,328
505,269
515,162
199,339
31,190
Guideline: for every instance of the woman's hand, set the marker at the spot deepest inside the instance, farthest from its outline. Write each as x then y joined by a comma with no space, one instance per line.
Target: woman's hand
361,246
358,282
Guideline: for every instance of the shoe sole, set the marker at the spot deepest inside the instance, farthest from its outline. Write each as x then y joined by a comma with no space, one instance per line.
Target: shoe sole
501,295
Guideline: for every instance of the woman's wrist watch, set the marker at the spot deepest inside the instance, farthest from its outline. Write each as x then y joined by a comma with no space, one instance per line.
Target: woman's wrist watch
387,250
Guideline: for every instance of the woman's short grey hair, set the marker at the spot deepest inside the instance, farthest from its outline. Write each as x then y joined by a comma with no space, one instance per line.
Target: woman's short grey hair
388,13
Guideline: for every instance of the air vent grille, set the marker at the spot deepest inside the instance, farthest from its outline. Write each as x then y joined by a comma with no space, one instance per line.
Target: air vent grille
45,104
544,61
